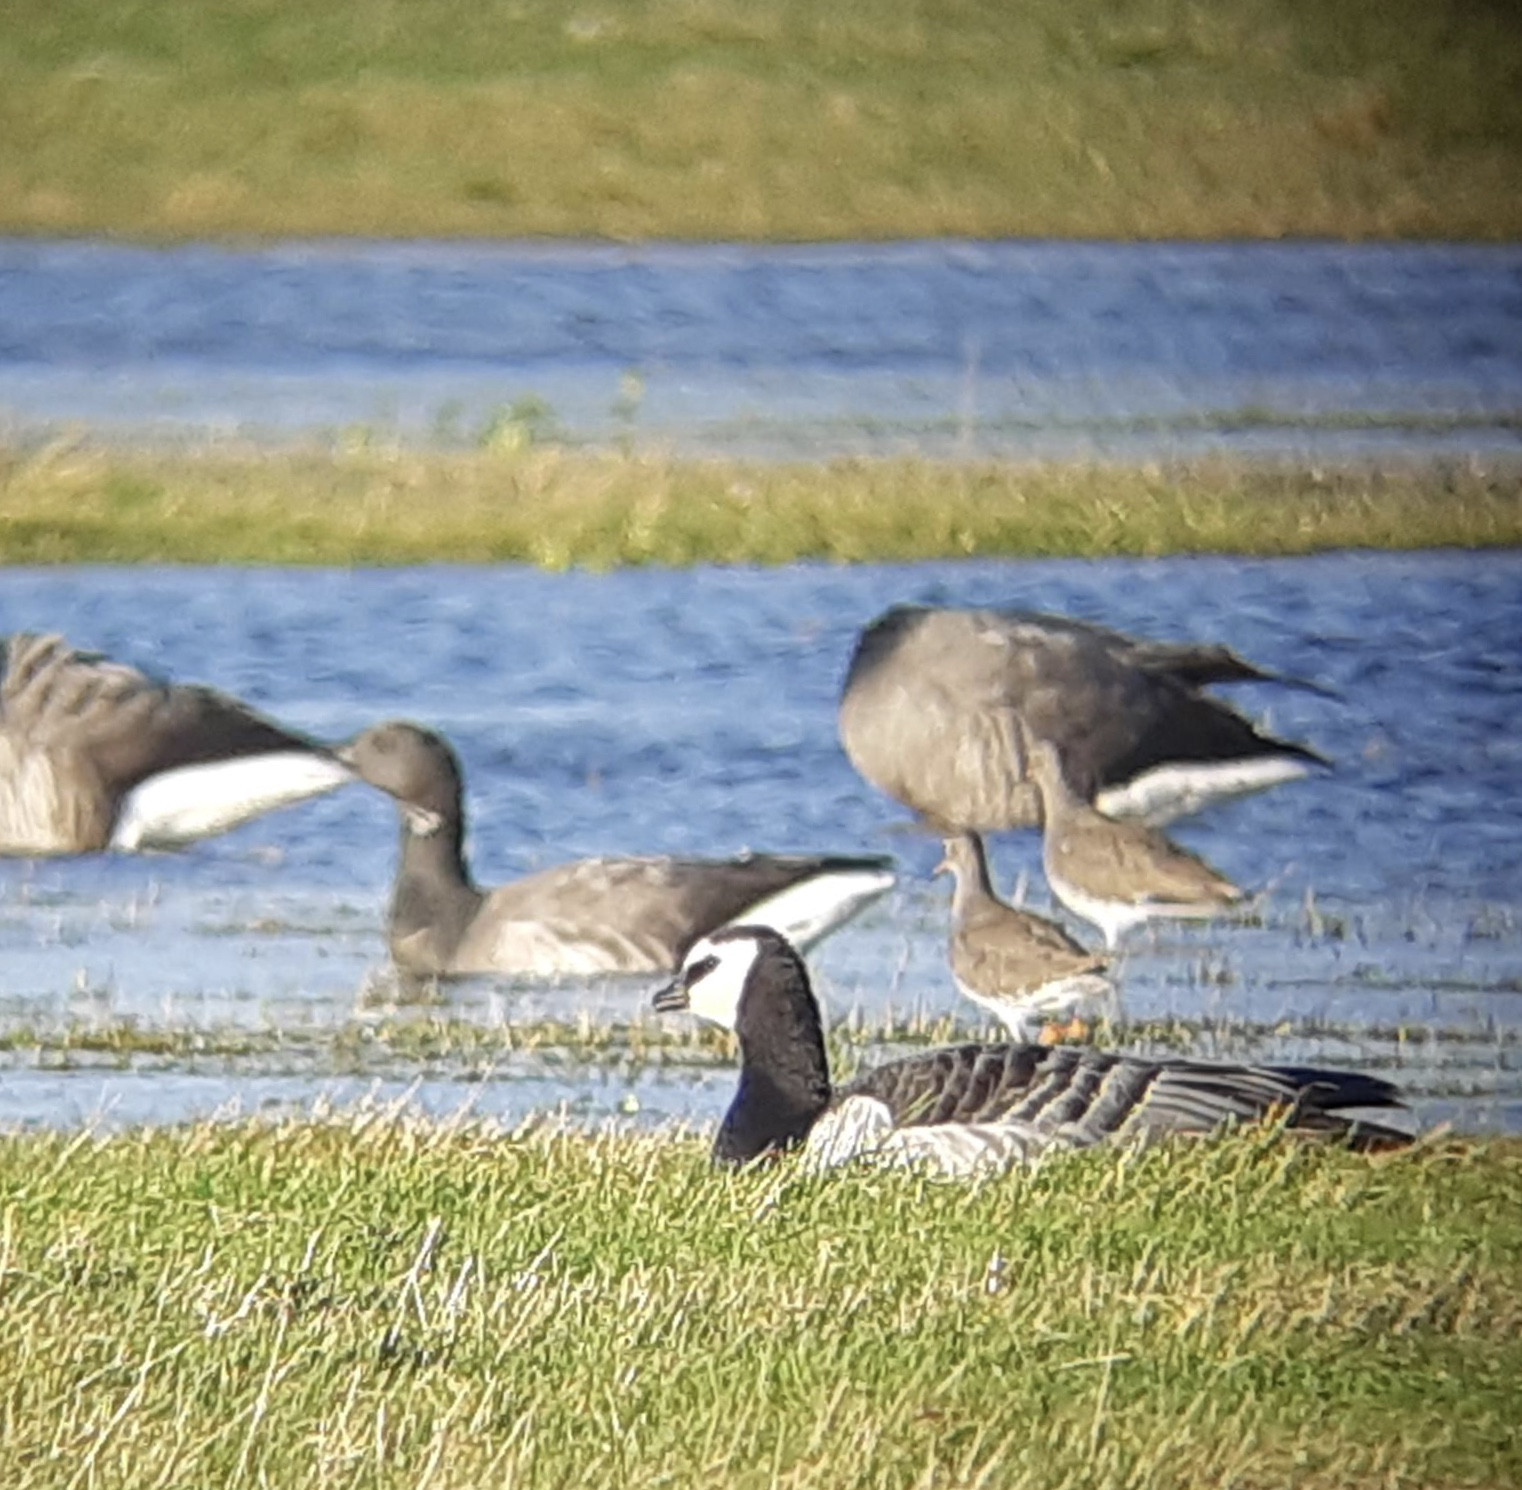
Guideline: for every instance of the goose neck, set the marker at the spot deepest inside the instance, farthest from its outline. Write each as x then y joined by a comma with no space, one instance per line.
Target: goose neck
784,1069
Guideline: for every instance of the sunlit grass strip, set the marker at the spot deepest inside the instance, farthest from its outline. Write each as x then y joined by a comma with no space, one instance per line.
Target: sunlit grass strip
762,119
559,509
379,1300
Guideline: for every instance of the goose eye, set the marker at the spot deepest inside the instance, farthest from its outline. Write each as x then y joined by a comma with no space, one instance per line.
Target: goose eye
699,970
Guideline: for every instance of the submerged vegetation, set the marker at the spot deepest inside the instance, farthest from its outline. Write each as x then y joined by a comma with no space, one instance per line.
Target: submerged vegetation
762,119
378,1300
557,509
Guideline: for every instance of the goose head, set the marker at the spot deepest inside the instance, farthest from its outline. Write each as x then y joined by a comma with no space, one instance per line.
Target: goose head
415,765
751,980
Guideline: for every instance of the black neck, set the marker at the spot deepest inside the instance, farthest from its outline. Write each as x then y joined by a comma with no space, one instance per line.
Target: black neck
784,1071
434,900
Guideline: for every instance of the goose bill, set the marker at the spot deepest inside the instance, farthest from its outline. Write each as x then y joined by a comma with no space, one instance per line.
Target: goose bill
672,998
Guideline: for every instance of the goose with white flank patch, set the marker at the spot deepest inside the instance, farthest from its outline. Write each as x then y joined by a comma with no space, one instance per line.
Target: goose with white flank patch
970,1108
1023,968
604,915
934,698
96,755
1118,874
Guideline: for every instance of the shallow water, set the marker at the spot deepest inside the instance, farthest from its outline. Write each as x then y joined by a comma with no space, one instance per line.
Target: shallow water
1033,349
694,712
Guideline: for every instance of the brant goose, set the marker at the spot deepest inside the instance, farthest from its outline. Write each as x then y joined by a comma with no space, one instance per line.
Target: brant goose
1117,874
1023,968
624,915
966,1108
96,755
932,705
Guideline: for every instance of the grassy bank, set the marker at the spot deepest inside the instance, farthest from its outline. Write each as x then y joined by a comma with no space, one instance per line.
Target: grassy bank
388,1302
557,509
771,119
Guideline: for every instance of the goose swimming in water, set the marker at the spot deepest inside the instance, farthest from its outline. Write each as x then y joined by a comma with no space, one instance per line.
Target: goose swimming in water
97,755
967,1108
606,915
934,699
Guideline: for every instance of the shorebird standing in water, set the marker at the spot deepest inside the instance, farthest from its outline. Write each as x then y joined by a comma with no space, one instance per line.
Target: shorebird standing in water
1117,874
1026,970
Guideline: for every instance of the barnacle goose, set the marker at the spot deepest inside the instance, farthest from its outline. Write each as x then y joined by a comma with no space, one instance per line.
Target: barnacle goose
965,1108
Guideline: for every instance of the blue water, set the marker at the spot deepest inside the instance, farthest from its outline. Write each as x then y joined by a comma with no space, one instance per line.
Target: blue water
1011,349
694,712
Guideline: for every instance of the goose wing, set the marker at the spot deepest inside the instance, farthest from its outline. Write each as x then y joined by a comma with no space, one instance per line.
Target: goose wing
642,914
1199,664
1077,1097
96,754
128,725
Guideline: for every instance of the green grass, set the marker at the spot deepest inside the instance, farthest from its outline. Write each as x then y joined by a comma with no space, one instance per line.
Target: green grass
762,119
557,509
383,1301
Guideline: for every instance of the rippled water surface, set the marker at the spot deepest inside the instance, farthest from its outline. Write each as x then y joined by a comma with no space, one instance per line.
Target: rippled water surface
694,712
933,348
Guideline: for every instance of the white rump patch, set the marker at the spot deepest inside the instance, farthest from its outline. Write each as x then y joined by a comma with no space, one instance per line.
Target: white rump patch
177,807
807,912
862,1128
1164,793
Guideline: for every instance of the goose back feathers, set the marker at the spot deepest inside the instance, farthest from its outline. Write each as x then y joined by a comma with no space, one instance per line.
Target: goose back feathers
934,700
95,755
968,1105
602,915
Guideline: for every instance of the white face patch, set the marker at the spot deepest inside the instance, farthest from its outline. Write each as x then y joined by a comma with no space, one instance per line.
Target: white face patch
714,995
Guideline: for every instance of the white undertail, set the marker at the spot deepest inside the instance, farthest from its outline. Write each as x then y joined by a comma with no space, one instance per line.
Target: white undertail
1167,792
190,802
811,909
